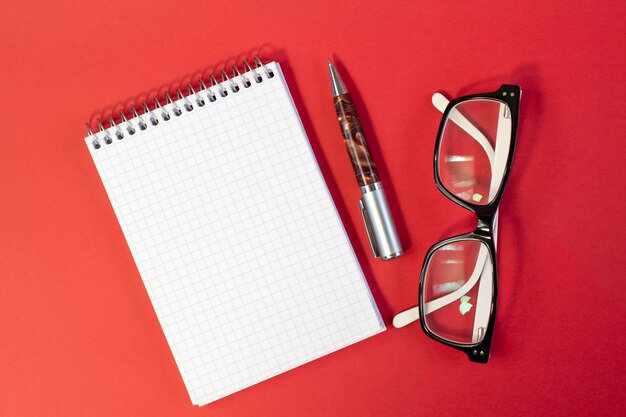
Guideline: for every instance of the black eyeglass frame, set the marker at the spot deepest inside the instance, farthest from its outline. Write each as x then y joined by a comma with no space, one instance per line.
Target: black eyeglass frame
510,95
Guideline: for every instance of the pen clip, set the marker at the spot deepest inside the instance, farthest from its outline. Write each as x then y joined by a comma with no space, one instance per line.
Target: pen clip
368,229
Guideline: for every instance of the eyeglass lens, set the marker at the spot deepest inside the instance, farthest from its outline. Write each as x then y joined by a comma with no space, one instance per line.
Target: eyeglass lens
457,292
473,150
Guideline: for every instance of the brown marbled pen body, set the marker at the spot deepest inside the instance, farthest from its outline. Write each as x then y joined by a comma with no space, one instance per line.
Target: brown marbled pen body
360,156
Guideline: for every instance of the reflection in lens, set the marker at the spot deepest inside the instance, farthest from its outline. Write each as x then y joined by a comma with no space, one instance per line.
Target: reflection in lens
457,292
474,149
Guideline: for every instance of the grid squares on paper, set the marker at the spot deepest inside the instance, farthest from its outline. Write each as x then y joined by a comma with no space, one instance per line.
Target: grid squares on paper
237,240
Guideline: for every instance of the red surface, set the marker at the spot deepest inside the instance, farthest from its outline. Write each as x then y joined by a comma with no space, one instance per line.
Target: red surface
78,336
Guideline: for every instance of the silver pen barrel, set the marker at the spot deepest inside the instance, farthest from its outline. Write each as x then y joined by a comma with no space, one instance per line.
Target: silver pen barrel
379,224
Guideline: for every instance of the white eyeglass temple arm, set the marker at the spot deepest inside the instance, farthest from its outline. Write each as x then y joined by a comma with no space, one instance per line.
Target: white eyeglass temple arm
406,317
503,145
483,302
485,287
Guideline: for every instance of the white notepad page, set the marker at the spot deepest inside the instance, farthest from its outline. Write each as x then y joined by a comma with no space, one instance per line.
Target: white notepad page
237,239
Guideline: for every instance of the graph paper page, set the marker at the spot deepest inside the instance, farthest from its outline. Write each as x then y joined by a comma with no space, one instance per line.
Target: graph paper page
237,239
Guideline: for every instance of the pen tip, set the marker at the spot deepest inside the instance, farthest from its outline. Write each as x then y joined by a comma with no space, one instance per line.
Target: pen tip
335,80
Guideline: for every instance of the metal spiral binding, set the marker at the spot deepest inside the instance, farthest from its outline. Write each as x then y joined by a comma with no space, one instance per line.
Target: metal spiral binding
193,97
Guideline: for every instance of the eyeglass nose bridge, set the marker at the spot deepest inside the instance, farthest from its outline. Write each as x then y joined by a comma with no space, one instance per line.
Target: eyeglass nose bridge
485,225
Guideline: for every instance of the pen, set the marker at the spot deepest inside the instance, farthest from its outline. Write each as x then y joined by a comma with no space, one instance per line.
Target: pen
379,225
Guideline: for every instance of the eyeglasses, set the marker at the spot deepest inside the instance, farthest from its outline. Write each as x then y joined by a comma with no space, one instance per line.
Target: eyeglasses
458,282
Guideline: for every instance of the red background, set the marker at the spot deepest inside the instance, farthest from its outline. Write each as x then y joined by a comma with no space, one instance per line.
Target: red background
78,334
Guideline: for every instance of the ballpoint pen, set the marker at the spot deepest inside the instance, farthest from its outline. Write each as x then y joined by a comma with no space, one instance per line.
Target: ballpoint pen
379,224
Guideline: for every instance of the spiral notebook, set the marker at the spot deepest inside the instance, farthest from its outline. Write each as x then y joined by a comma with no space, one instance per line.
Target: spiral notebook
233,231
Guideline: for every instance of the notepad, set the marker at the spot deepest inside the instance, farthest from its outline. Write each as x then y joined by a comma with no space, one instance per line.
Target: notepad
234,233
